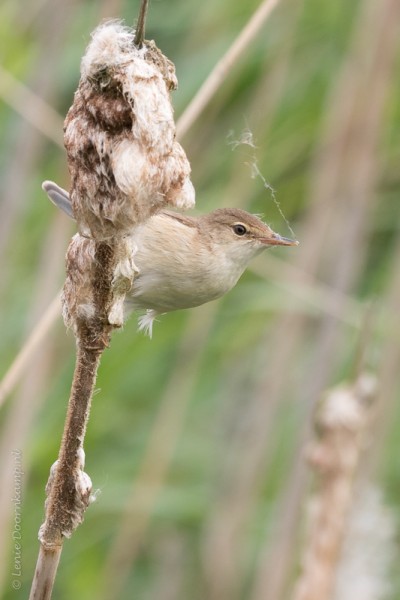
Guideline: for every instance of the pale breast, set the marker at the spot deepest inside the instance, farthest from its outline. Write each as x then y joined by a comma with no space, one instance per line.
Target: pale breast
176,269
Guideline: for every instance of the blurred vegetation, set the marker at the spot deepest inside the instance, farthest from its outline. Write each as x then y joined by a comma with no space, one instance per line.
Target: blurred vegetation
196,437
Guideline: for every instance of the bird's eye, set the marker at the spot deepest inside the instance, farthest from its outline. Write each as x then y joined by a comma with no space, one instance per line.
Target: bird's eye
239,229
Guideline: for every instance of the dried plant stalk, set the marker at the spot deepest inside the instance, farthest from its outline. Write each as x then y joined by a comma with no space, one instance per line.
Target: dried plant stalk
342,423
125,165
224,65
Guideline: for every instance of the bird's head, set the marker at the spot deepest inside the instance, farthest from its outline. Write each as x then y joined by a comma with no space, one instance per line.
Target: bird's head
240,234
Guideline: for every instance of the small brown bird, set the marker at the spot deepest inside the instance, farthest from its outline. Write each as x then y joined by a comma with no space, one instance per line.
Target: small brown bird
186,261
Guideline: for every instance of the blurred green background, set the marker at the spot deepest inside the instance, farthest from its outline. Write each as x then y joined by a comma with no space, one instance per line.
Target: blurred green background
196,438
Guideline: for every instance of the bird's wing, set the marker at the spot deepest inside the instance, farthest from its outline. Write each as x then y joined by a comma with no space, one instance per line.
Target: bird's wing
184,219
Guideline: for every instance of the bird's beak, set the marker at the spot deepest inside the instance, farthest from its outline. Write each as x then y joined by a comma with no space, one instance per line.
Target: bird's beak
277,240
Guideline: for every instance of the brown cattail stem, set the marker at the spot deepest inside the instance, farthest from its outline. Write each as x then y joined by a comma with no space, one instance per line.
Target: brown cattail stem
68,493
141,24
65,505
45,573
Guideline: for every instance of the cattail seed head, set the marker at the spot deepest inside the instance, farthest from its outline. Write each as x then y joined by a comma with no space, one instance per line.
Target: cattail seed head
124,160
